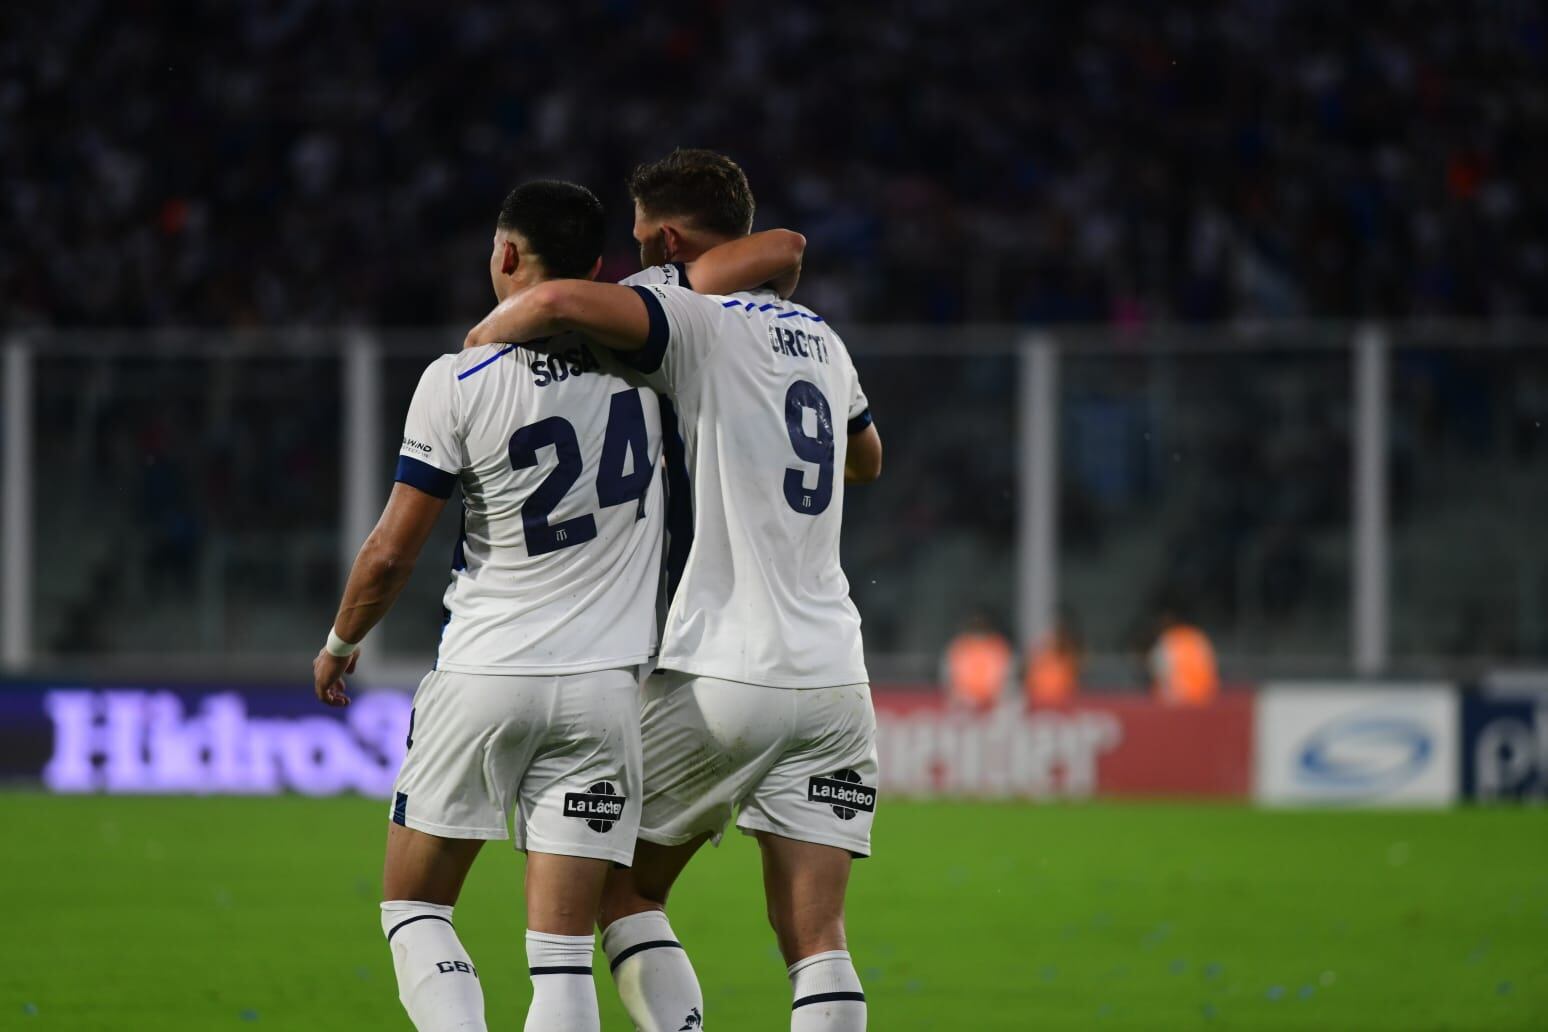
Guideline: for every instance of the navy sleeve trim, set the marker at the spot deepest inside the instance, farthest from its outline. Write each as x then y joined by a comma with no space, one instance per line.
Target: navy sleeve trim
860,422
649,358
425,477
682,274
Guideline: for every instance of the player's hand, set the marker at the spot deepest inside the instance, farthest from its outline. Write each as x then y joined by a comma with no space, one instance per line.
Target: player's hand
328,673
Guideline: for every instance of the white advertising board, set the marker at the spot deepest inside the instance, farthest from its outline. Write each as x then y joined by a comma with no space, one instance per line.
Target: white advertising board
1330,743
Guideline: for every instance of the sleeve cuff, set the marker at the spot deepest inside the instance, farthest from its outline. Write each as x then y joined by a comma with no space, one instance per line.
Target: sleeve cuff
860,422
435,482
649,358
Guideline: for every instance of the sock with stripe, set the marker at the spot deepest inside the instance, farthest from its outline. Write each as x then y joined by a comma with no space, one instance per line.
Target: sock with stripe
564,996
437,983
655,980
827,996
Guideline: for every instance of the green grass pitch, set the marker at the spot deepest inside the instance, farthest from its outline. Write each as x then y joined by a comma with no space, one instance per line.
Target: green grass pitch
261,913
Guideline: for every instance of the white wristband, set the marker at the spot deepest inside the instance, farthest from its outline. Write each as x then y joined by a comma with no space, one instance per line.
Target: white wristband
338,646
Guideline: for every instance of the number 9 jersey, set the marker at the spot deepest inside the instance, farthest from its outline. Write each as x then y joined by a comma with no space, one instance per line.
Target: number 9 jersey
556,450
765,398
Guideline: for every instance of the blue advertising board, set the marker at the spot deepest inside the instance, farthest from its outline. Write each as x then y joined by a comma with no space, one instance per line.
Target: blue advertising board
175,739
1505,743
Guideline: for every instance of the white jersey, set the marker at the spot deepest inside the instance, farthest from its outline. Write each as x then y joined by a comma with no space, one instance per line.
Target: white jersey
765,398
673,275
556,452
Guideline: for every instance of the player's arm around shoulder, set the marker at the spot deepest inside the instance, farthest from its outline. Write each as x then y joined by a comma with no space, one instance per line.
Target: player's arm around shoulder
772,257
613,315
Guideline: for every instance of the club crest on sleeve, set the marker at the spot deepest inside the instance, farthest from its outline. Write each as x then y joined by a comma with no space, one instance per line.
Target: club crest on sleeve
844,792
600,806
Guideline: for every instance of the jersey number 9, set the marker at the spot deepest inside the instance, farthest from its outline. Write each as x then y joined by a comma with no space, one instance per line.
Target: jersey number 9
816,448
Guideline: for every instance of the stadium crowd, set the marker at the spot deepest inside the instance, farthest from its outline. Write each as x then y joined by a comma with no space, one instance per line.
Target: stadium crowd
231,163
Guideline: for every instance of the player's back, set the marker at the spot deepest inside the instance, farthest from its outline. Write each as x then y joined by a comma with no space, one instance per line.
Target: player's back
555,447
764,393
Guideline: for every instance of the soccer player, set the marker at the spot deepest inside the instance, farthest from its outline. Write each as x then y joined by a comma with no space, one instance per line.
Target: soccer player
763,701
532,704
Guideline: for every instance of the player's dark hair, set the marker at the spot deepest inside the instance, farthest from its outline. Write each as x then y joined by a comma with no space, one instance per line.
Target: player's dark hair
561,222
707,188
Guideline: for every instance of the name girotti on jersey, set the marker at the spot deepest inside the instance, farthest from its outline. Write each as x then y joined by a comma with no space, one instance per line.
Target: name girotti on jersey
798,343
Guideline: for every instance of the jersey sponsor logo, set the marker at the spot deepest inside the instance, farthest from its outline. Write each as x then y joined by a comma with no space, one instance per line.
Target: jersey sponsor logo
844,792
693,1020
561,365
419,446
600,806
798,343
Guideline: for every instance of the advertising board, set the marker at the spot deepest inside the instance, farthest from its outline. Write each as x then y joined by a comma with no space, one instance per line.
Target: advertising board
1097,747
1338,743
1505,742
260,739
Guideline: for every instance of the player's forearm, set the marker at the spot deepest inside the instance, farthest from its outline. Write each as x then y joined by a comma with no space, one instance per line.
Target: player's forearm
375,581
610,314
523,316
771,257
785,286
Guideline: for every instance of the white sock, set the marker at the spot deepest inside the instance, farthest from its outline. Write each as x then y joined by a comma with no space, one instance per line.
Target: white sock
564,996
436,981
655,980
827,994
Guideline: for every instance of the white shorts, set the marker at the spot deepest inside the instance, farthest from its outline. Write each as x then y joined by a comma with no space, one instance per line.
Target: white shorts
800,763
563,752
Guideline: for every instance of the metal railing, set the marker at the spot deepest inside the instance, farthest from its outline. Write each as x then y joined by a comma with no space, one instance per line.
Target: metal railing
1328,499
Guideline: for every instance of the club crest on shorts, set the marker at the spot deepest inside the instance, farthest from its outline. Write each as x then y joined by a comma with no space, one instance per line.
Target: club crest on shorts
600,806
844,792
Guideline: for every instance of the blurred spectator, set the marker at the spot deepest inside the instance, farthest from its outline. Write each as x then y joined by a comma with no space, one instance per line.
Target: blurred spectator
1053,667
1182,665
978,665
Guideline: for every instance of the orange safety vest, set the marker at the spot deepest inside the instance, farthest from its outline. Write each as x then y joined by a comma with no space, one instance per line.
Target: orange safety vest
977,668
1186,673
1052,676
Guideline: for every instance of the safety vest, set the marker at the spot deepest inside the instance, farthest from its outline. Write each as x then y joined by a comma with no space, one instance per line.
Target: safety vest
978,666
1183,664
1052,675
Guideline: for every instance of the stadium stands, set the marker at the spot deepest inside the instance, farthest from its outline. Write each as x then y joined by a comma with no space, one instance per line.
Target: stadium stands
301,161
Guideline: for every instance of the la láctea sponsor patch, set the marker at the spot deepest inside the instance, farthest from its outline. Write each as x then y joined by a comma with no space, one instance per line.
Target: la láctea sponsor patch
600,806
844,792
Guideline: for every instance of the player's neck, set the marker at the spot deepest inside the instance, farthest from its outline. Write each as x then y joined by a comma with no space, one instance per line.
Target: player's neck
695,244
528,274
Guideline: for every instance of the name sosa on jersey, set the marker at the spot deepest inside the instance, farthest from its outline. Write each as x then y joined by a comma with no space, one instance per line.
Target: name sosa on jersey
561,365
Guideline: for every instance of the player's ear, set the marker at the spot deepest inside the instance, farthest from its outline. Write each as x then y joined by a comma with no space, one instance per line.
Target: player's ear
596,268
671,242
511,260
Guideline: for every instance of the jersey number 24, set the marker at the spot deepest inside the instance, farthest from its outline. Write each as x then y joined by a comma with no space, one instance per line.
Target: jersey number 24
625,446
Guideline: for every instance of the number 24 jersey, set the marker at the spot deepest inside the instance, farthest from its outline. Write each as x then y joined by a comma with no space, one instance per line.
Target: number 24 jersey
556,451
